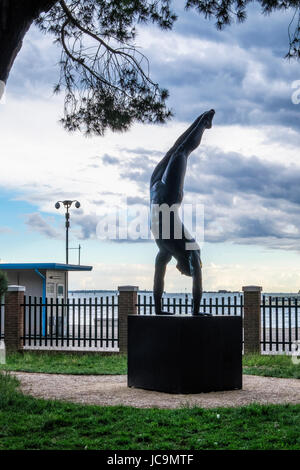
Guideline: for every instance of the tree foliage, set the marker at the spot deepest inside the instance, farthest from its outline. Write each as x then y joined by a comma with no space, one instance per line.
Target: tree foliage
3,283
224,12
104,75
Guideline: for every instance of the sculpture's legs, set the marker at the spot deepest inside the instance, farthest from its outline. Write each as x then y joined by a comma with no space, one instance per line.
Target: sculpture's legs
162,259
161,167
174,173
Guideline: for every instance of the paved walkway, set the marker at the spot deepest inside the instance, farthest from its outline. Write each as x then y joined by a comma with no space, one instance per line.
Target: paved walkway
112,390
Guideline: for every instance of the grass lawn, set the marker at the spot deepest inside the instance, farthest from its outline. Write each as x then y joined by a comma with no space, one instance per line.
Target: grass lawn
273,366
28,423
60,363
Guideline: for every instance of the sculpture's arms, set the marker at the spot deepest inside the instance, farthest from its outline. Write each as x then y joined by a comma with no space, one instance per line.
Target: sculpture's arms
162,259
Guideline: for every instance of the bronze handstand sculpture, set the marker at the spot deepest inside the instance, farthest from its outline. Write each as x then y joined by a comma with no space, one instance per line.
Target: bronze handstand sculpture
166,190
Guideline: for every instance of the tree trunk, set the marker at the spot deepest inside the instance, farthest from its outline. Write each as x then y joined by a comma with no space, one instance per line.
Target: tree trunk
16,17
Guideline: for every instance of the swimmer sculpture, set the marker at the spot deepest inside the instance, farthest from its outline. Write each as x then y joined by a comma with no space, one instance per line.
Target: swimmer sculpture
166,191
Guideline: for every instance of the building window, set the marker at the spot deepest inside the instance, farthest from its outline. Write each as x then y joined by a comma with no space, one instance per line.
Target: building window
50,288
60,290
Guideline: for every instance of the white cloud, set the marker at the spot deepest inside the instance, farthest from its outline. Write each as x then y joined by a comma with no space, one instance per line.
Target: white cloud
37,223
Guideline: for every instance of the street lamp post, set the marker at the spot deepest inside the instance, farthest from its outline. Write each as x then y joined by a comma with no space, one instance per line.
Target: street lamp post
67,205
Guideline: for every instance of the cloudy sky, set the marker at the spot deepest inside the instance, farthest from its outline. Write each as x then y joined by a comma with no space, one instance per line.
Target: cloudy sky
246,172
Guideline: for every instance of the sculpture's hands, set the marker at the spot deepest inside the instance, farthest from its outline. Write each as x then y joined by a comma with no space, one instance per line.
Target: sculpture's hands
208,117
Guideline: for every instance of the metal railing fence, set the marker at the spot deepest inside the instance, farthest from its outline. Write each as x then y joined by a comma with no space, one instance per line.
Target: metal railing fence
79,324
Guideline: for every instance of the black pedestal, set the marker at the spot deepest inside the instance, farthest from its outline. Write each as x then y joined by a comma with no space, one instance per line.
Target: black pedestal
184,354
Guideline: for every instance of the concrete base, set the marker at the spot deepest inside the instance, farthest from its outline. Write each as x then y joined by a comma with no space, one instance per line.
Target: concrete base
184,354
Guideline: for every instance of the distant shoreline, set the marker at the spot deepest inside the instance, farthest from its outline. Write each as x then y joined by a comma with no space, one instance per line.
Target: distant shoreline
77,291
219,292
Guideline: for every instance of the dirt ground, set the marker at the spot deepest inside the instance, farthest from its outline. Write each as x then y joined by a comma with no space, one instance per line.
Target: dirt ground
109,390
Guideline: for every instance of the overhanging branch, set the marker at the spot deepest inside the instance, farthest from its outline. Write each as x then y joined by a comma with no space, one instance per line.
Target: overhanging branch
103,43
81,61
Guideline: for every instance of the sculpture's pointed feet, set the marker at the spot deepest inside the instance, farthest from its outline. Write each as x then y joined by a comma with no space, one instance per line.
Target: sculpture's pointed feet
209,117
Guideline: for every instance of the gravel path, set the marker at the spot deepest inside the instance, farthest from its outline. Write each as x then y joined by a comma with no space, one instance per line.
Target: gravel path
112,390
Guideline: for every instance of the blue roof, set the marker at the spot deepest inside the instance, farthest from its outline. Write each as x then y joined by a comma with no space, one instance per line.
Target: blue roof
52,266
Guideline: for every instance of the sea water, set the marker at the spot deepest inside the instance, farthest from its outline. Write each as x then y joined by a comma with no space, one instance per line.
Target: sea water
213,298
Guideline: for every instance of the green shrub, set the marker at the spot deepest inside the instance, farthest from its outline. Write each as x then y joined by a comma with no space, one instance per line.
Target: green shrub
3,283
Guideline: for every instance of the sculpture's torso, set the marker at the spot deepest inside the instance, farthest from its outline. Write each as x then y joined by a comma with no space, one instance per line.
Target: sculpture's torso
171,194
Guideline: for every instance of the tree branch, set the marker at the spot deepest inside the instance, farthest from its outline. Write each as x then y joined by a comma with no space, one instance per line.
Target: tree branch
81,61
101,41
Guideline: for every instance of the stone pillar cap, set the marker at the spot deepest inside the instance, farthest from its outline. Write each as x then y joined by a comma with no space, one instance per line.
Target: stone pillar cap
128,288
16,289
252,289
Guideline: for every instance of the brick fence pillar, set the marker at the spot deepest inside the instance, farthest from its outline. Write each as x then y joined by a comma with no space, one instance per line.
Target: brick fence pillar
252,323
127,306
14,318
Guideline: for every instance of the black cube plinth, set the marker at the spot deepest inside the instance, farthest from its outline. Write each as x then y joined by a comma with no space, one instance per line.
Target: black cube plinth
184,354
